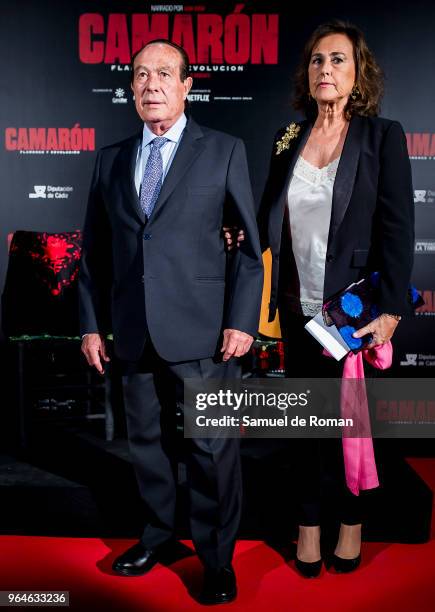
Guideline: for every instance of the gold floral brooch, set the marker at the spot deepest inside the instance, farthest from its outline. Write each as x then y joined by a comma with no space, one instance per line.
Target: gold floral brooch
291,132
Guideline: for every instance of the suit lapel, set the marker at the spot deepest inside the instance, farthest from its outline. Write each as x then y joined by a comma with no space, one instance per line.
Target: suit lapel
346,174
128,157
285,162
290,156
188,150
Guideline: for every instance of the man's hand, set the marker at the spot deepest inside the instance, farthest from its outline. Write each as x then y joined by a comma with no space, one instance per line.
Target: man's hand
233,236
94,349
236,343
382,329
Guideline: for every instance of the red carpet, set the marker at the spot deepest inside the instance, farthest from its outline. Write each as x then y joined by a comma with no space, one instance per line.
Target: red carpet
392,576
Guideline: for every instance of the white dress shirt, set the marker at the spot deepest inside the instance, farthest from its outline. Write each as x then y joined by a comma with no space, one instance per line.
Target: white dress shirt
168,150
309,202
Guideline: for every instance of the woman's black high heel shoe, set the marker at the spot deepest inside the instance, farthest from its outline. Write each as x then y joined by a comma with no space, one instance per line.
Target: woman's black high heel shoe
308,569
344,566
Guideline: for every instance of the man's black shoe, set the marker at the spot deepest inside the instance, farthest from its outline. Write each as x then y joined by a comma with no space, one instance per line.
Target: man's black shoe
137,560
219,586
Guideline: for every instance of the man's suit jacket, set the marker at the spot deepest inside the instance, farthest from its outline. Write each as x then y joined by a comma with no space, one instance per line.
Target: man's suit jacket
171,274
372,218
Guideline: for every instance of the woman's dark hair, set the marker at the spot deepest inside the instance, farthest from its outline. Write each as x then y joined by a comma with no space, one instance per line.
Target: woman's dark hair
184,64
369,77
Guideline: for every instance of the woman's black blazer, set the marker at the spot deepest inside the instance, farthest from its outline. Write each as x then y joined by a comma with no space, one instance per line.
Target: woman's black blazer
372,218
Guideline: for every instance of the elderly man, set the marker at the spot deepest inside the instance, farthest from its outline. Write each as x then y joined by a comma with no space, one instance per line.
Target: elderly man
155,272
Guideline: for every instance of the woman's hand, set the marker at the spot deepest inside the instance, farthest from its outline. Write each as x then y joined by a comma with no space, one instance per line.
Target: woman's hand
382,329
233,236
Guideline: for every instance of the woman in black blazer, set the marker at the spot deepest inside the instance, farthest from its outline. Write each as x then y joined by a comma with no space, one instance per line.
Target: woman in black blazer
338,203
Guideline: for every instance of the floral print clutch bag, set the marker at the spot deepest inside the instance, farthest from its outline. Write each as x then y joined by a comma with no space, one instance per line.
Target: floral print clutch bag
356,306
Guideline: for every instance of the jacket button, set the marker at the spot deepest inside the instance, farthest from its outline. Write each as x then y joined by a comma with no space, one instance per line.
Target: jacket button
147,236
142,278
329,257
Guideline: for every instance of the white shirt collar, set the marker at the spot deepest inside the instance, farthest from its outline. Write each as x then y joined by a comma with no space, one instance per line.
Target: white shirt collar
174,133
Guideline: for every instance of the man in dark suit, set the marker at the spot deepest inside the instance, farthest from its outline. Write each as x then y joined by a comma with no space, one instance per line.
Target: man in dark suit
155,271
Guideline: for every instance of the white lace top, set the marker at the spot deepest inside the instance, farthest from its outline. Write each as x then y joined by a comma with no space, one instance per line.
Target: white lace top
309,201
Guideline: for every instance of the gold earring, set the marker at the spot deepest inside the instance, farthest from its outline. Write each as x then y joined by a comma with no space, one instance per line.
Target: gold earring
355,92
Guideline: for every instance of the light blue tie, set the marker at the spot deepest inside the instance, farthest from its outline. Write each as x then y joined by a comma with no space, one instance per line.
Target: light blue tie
152,176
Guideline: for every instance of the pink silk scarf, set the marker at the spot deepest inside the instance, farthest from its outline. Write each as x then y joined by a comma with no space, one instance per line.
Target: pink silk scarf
359,458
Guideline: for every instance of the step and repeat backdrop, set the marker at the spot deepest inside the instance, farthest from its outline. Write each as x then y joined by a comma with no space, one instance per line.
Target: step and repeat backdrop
65,93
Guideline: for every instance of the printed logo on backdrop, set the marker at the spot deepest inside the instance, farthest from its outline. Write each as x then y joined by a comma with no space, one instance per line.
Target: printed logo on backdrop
216,43
416,360
428,308
199,95
50,192
424,196
117,95
421,145
50,141
425,247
